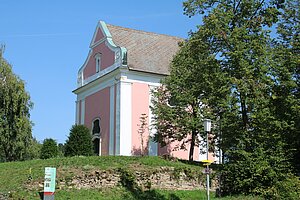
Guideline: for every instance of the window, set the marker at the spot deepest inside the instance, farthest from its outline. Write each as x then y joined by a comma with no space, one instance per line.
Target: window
96,127
96,136
98,62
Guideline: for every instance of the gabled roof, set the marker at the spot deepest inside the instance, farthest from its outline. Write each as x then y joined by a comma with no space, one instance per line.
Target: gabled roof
147,52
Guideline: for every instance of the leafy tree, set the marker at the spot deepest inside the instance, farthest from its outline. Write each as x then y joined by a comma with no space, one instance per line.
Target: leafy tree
252,139
286,76
49,149
234,46
15,124
176,103
34,151
79,142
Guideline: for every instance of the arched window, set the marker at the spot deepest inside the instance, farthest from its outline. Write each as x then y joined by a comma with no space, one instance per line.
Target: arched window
96,134
98,62
96,126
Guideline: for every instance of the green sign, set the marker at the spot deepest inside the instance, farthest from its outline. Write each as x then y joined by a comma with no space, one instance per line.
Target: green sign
49,182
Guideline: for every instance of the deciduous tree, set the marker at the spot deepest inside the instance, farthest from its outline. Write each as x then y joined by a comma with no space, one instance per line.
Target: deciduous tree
15,124
252,139
229,66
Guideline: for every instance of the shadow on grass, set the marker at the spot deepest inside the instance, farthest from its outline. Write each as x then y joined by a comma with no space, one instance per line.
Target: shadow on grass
128,181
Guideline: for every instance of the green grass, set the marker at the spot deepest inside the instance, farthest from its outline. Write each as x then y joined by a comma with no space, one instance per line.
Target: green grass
14,175
121,193
20,170
14,178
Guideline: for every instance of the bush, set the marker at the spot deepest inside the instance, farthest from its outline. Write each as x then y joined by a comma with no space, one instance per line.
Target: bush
79,142
49,149
259,174
289,189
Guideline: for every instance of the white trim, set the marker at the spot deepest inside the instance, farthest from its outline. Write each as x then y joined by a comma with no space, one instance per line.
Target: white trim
77,112
117,150
107,39
101,25
101,73
98,62
125,118
143,77
80,78
96,85
153,146
112,119
99,42
82,111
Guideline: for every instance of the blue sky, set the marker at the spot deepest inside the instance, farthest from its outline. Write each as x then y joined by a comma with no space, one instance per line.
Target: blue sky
47,41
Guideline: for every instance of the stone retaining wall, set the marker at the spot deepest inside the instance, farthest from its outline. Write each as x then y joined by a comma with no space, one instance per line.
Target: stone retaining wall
162,178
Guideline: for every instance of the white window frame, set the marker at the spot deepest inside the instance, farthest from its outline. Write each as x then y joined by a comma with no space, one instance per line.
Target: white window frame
98,62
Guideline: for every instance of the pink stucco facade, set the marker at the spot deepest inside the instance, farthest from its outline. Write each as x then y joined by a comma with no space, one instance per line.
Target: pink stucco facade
107,57
140,105
99,35
97,106
183,154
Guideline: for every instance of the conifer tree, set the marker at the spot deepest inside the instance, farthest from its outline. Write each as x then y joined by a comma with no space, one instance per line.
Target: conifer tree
49,149
79,142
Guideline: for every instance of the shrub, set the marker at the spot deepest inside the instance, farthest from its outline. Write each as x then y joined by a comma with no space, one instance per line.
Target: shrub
49,149
79,142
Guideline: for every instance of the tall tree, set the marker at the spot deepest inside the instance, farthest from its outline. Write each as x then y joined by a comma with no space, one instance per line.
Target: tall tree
239,39
15,104
177,101
286,72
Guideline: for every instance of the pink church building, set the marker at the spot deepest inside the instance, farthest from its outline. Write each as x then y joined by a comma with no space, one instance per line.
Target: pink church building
114,89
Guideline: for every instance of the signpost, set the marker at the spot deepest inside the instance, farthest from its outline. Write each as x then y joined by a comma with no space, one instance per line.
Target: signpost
49,183
207,171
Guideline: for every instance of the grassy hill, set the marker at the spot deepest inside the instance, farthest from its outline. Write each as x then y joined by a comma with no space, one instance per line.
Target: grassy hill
19,180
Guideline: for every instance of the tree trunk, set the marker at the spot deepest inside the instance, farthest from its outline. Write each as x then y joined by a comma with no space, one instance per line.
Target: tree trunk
244,110
192,147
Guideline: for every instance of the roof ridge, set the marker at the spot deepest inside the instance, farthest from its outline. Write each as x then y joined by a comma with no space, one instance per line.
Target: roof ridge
145,32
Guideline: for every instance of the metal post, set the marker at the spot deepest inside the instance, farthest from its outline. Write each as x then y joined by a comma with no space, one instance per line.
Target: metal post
207,182
207,128
207,146
207,167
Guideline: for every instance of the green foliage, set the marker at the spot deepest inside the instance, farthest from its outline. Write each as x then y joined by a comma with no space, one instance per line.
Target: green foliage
79,142
128,180
258,117
34,151
247,82
176,104
61,150
15,124
49,149
286,97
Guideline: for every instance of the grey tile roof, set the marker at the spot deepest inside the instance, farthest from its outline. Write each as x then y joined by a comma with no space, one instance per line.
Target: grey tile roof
147,52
